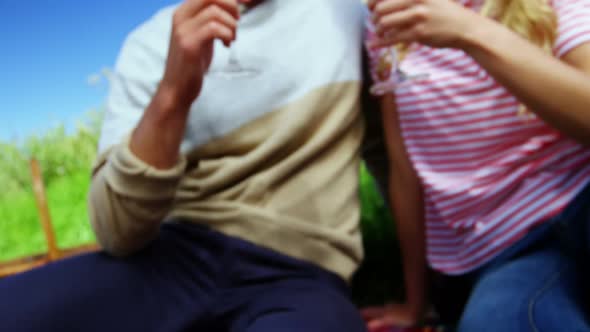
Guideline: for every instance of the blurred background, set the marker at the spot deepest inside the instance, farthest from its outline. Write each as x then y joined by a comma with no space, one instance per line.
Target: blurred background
54,61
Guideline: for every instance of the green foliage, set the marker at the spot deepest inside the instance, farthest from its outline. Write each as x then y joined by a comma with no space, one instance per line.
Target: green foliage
13,171
66,160
67,200
379,278
60,154
20,231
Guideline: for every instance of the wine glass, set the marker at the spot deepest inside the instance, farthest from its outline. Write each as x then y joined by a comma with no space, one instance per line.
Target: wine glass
386,71
234,69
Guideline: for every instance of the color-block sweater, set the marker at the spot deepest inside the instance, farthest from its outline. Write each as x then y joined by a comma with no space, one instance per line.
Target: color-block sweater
271,159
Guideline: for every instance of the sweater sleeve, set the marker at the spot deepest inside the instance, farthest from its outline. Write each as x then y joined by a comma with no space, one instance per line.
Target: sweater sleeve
128,198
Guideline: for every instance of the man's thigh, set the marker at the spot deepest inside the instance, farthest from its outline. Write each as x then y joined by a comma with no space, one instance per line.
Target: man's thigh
150,291
301,307
537,292
85,292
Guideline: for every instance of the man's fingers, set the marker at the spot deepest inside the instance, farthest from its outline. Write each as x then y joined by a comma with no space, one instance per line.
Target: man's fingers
210,14
192,44
214,30
191,8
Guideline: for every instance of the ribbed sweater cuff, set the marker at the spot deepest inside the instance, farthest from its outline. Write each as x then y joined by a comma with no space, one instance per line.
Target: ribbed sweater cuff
129,176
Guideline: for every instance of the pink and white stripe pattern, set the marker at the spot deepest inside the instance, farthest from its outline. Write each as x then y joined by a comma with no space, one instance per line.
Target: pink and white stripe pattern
489,175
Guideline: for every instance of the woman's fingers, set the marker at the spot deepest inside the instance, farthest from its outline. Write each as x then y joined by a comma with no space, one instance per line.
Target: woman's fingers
414,34
386,7
371,4
408,35
401,20
381,325
373,312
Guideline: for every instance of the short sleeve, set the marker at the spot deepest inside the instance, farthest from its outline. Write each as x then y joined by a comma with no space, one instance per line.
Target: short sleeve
573,25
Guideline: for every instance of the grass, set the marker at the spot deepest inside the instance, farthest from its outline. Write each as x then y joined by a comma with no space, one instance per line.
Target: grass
65,159
20,229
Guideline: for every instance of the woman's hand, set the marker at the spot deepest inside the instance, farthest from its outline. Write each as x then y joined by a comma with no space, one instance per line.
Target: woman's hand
437,23
394,315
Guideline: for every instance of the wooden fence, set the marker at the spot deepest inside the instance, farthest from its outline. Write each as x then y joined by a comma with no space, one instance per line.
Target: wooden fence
54,253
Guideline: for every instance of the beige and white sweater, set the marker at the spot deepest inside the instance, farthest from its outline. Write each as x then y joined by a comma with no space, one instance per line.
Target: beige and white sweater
271,159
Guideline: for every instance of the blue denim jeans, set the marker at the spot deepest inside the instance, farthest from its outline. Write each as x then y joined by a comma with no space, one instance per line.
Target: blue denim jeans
539,284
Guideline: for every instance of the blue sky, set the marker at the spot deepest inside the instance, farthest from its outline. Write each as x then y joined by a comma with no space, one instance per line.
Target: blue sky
49,49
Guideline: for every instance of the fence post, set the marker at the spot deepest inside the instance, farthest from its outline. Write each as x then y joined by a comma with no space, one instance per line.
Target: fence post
53,251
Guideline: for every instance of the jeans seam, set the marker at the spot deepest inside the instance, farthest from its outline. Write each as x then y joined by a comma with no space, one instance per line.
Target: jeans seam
534,299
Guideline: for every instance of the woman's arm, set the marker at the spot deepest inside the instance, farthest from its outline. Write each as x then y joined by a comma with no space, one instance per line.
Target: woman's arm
406,201
557,91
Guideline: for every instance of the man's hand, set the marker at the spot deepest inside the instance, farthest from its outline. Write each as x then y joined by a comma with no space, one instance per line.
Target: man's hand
196,24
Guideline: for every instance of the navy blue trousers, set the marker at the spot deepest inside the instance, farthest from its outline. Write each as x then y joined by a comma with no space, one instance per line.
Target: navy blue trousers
189,279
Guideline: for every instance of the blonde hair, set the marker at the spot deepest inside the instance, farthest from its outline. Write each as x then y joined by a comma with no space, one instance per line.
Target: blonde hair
534,20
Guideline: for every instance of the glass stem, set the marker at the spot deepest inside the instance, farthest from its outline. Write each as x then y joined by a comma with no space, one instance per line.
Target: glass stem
233,58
